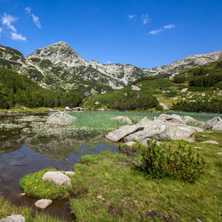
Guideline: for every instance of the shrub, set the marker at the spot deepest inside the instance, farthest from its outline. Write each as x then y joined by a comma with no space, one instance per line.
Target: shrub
179,79
179,164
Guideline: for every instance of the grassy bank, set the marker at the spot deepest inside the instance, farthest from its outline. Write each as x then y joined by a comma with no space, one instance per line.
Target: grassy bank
32,110
108,187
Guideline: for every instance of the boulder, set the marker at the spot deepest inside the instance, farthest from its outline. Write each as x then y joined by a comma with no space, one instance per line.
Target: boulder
135,88
123,131
68,109
43,203
164,106
214,124
101,109
189,119
57,177
60,118
163,131
171,118
13,218
123,119
144,142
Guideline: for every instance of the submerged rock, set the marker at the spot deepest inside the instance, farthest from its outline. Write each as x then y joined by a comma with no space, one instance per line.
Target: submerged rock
57,177
60,118
123,119
214,124
43,203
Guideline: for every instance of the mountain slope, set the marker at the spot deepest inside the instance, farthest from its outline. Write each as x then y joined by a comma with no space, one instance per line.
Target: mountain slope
59,67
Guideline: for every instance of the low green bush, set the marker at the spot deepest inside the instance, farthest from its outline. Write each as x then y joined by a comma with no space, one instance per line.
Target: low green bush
179,164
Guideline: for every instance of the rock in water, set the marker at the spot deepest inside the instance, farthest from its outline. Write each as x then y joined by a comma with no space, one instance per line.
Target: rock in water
43,203
214,124
60,118
123,119
57,177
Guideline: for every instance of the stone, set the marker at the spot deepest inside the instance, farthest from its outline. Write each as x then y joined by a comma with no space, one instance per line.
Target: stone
135,88
198,148
22,194
43,203
60,118
101,109
123,131
57,177
130,143
171,118
96,103
144,142
164,106
189,119
13,218
163,131
9,112
67,109
219,153
123,119
214,124
184,90
211,142
71,173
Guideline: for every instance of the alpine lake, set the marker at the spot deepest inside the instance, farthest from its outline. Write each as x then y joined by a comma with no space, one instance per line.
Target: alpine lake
28,145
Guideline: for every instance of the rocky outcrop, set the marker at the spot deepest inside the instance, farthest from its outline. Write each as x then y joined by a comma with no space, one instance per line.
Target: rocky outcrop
157,129
123,119
60,118
171,118
57,177
43,203
214,124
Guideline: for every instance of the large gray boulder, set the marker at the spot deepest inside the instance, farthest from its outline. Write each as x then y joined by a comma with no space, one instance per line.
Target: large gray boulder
164,131
164,106
60,118
171,118
214,124
123,119
13,218
156,129
57,177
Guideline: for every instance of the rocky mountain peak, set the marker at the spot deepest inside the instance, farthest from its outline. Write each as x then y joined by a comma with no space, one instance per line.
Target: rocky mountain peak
59,53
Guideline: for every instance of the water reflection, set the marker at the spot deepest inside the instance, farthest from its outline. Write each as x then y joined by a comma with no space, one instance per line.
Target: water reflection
23,153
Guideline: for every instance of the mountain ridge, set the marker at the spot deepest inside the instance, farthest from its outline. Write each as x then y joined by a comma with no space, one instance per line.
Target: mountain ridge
58,66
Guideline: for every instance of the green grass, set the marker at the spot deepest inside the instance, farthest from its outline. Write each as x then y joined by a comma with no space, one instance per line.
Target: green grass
102,120
35,186
110,189
7,209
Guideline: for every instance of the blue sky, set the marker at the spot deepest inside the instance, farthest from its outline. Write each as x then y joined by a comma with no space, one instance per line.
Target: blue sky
144,33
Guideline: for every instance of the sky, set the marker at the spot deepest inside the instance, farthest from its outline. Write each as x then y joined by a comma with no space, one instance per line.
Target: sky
144,33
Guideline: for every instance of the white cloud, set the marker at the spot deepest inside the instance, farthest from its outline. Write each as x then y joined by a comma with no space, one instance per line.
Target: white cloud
108,62
154,32
7,20
35,18
16,36
145,19
169,26
131,16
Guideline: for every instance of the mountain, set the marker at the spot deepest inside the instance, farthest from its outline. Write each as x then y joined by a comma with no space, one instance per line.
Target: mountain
59,67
